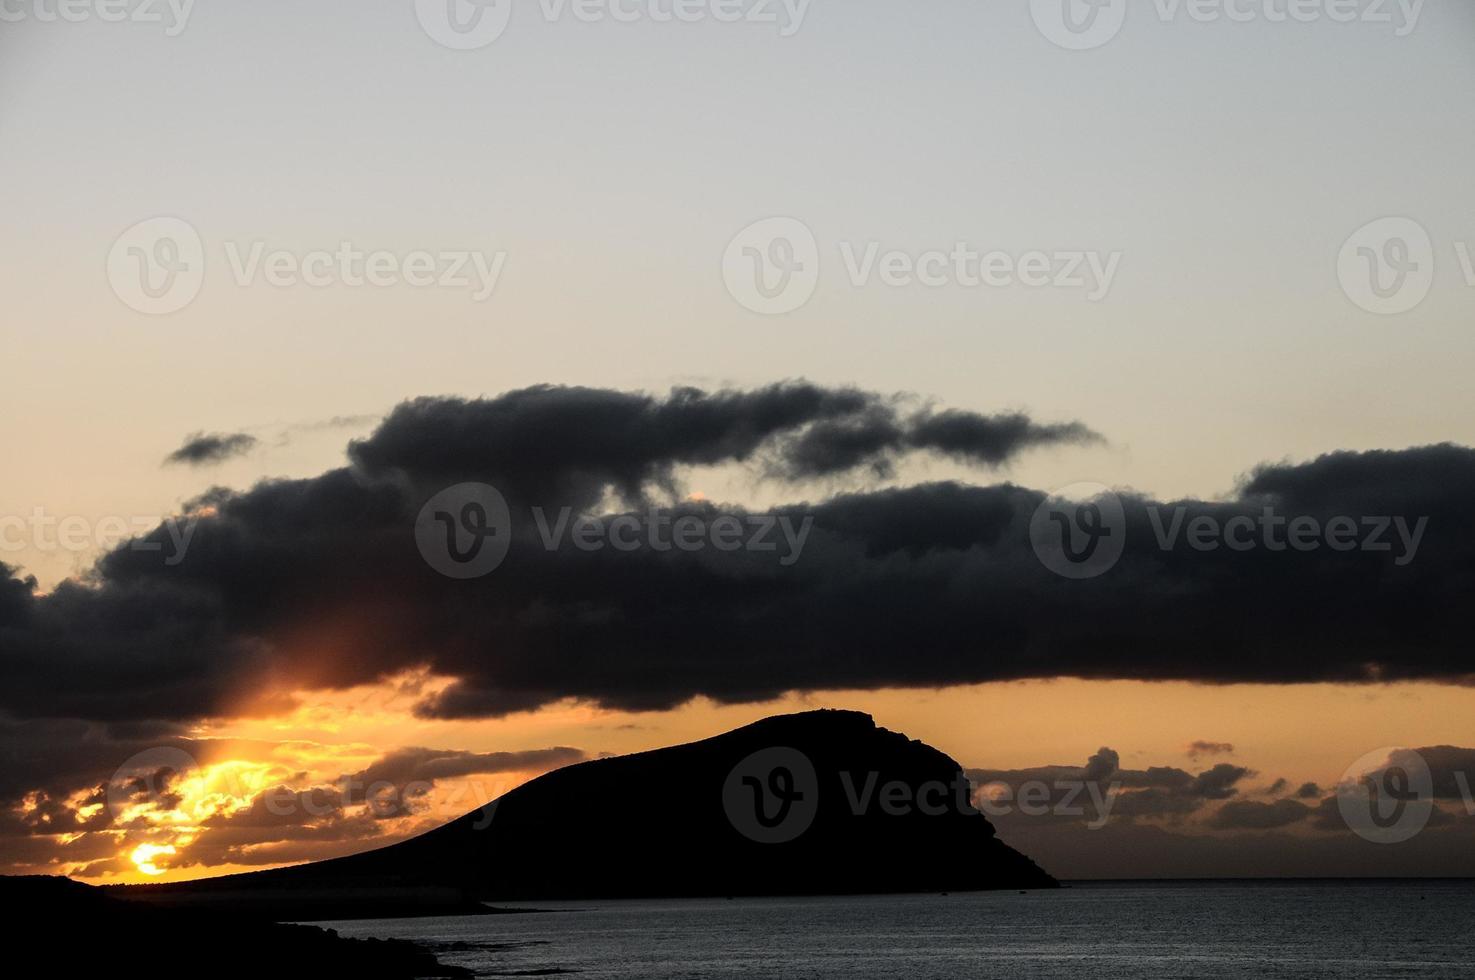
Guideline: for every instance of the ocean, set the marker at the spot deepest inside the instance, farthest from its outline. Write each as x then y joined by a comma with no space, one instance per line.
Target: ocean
1340,930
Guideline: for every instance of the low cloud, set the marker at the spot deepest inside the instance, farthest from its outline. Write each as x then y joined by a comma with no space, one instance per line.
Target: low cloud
82,796
1253,815
1167,822
414,765
204,449
1154,793
1201,747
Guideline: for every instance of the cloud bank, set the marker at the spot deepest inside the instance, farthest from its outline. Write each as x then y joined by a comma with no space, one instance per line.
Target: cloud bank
317,583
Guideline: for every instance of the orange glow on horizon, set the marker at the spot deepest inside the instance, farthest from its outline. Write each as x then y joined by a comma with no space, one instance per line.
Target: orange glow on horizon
1308,733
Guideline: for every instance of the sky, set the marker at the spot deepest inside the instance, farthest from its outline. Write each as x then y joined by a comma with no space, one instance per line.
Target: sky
1210,184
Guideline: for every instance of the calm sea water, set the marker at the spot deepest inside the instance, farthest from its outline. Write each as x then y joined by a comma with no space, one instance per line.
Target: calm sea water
1331,930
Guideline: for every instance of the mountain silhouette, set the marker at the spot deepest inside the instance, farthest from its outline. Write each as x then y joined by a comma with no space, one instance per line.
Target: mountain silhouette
824,802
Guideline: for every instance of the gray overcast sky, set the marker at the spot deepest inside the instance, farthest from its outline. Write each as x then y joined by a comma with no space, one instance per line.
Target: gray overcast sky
610,163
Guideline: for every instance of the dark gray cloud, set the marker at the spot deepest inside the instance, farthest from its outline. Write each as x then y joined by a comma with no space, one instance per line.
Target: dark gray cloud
875,437
1253,815
60,757
204,448
1452,769
553,446
1157,792
1172,793
989,440
1166,822
318,582
1219,782
1103,765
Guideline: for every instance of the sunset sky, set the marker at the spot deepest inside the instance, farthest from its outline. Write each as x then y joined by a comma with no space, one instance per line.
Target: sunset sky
300,639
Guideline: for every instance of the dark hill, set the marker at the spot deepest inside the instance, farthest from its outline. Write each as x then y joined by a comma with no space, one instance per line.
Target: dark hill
839,815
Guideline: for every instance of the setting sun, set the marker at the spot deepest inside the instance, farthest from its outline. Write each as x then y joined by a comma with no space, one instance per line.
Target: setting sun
143,855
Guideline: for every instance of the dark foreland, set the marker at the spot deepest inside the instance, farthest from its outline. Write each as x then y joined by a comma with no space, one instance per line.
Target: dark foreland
818,803
75,929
